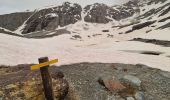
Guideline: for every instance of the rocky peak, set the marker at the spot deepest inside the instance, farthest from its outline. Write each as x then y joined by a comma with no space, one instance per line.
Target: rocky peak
97,13
51,18
101,13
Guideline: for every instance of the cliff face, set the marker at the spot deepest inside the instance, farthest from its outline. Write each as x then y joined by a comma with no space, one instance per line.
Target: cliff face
14,20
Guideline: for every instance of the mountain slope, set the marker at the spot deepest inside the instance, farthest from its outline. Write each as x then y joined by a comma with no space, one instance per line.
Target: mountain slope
130,13
14,20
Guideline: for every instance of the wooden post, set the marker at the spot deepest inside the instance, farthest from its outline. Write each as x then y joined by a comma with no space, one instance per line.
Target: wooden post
47,80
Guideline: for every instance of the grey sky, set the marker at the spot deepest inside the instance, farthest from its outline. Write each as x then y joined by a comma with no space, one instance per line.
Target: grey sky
8,6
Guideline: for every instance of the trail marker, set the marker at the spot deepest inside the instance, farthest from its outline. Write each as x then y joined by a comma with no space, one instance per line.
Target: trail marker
46,77
34,67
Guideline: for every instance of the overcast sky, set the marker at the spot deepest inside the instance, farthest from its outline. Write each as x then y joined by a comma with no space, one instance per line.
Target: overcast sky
9,6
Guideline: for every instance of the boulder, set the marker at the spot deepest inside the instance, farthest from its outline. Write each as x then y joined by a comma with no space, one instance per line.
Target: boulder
132,80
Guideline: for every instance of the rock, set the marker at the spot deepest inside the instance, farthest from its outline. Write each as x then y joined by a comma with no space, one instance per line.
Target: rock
130,98
139,96
110,35
96,13
132,80
76,36
142,25
111,84
105,30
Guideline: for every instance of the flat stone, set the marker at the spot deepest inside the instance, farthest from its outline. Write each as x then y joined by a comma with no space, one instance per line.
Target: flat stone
132,79
139,96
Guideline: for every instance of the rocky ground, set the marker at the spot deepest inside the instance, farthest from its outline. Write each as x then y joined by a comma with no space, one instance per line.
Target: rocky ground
87,81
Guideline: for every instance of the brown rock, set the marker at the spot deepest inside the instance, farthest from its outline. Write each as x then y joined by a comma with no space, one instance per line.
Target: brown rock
111,84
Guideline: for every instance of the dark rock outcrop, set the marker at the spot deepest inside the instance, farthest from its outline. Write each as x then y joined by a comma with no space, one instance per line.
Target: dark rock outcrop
51,18
142,25
162,10
97,13
101,13
167,25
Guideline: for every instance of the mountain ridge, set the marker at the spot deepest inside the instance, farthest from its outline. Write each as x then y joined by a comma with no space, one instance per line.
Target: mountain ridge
130,13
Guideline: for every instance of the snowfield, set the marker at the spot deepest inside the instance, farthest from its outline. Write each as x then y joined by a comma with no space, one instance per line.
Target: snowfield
92,43
16,50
